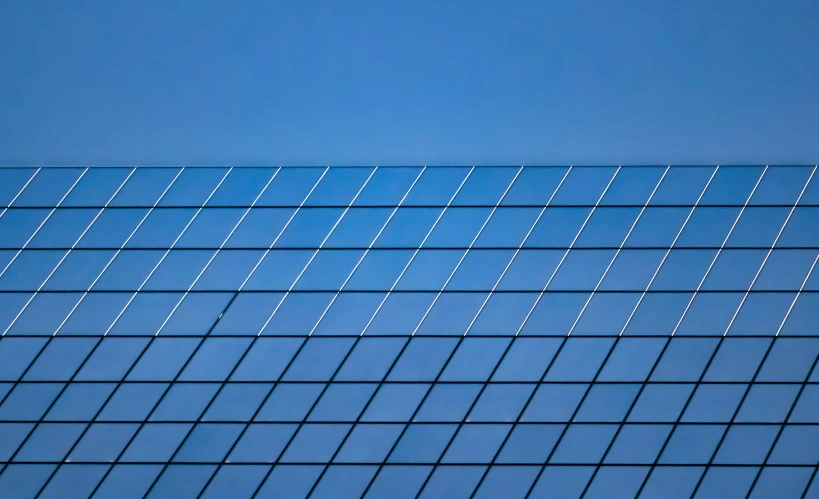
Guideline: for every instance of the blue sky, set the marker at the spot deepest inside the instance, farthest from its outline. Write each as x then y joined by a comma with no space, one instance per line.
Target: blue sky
456,82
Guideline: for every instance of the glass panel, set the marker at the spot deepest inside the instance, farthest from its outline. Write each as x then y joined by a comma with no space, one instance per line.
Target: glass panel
342,402
692,444
638,444
713,403
359,228
290,402
208,442
502,403
80,402
315,443
781,185
737,359
291,186
726,483
128,481
369,443
458,227
12,181
616,482
475,359
633,185
387,186
266,359
102,442
535,186
503,314
242,186
63,228
262,443
708,227
437,186
16,354
210,228
583,443
162,228
660,403
682,185
145,187
309,228
339,186
398,482
28,402
448,402
395,402
607,227
290,482
746,444
485,186
580,359
370,359
480,270
235,481
732,185
163,359
318,359
657,227
607,403
530,444
259,228
237,402
408,228
97,186
49,186
193,186
557,227
343,482
181,480
60,359
757,227
672,482
584,185
401,313
133,401
799,232
507,228
184,402
476,443
554,402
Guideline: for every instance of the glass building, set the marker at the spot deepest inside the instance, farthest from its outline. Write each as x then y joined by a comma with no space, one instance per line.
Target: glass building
400,333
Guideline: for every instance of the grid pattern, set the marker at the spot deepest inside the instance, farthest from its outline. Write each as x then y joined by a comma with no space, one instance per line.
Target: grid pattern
409,332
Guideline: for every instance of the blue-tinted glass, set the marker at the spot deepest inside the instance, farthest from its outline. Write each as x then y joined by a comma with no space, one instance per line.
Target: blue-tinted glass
163,359
162,228
713,403
128,481
278,270
757,227
235,481
684,359
555,313
632,359
49,187
452,313
452,482
581,270
146,313
145,187
236,402
726,483
480,270
95,313
17,226
557,227
228,270
342,402
672,482
761,314
448,402
501,402
50,442
262,443
379,270
657,314
660,403
11,436
45,313
286,481
208,442
395,402
290,402
508,227
732,185
215,359
78,271
606,314
584,443
359,227
132,401
790,359
608,403
266,359
580,359
584,185
657,227
503,314
297,314
369,443
12,182
318,359
343,482
737,359
242,186
259,228
535,186
181,480
476,443
746,444
194,186
74,482
638,444
408,227
247,313
398,481
178,270
60,359
349,313
692,444
63,228
22,481
429,270
530,444
112,228
339,186
210,228
16,354
786,483
807,406
527,359
793,446
184,402
309,228
388,186
291,186
785,270
328,270
562,481
401,313
607,227
458,228
633,185
554,402
485,186
28,402
799,231
437,186
708,227
610,483
30,269
102,442
781,185
710,314
682,185
315,443
98,186
80,401
370,359
474,359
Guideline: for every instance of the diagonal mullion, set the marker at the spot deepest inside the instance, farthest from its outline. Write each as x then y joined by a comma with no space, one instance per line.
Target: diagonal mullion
5,209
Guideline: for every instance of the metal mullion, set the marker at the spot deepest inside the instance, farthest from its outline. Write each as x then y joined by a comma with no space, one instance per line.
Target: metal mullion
617,253
796,297
158,402
167,251
566,253
719,251
34,234
781,429
668,252
365,253
520,246
117,252
463,256
574,413
415,253
215,253
20,191
65,255
430,422
315,253
284,228
768,254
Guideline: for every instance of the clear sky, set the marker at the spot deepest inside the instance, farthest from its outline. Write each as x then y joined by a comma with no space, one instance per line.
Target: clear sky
429,82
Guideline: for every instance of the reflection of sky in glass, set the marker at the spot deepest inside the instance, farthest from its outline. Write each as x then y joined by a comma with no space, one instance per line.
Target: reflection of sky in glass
436,332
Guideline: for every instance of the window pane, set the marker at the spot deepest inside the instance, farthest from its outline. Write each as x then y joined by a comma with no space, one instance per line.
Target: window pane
97,187
339,186
193,186
437,186
242,186
535,186
633,185
291,186
387,186
145,186
732,185
584,185
682,185
485,186
12,181
781,185
49,186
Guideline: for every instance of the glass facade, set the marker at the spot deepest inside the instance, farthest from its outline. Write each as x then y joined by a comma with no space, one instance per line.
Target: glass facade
409,332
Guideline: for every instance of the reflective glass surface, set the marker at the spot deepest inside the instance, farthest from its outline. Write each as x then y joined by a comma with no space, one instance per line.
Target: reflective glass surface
409,332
